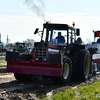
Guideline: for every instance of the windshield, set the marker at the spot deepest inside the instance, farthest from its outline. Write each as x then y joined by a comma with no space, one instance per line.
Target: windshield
55,35
58,36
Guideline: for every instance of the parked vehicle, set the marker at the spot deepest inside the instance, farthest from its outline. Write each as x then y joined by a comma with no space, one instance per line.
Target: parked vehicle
2,50
20,47
96,56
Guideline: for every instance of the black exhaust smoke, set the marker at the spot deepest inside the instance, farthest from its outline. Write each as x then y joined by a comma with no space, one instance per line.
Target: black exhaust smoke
35,7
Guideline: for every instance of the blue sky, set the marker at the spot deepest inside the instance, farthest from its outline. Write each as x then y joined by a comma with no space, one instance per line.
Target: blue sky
18,20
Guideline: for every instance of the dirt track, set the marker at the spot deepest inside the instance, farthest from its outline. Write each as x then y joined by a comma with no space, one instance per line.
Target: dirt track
11,89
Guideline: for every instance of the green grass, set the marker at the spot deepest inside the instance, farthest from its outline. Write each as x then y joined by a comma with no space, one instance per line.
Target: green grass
89,92
3,63
67,95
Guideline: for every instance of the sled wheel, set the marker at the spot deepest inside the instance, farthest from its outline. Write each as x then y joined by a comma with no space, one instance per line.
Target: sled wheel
66,73
84,65
23,77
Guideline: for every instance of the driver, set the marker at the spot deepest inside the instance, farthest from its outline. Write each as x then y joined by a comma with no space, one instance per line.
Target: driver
60,38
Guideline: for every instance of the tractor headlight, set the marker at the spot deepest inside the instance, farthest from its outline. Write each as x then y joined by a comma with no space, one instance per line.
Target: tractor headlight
44,59
37,59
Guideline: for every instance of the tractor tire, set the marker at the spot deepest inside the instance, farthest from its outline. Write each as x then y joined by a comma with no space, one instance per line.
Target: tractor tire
66,73
23,77
84,65
74,58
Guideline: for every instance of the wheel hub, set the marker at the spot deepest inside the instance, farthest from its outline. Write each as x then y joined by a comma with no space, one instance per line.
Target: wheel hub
66,71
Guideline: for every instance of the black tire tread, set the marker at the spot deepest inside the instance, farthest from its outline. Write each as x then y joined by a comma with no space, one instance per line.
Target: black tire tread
61,80
81,65
74,58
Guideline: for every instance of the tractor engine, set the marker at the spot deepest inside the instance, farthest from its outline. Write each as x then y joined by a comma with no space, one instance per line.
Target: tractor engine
47,52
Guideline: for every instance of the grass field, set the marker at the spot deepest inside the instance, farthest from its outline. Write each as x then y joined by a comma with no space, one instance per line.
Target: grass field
4,63
90,92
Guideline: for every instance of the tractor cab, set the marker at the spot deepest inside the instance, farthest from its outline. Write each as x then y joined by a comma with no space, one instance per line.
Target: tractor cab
60,34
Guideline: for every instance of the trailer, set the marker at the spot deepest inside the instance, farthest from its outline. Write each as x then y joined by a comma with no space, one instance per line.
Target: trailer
62,61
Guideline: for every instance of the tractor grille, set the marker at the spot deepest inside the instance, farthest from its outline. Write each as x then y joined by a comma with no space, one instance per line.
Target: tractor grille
41,54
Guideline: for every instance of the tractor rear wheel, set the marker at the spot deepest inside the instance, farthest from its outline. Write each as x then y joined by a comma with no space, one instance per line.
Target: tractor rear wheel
66,73
84,65
23,77
74,58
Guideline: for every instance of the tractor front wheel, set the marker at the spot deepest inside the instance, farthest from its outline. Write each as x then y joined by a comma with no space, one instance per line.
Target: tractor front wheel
66,73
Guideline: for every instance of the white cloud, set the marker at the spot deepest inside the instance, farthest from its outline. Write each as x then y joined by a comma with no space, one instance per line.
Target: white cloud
29,13
85,23
14,10
20,28
82,14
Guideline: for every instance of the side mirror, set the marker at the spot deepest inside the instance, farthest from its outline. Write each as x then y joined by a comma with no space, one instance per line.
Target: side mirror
78,32
36,31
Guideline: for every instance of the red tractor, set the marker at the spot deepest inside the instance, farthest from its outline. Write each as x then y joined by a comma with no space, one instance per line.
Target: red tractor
61,61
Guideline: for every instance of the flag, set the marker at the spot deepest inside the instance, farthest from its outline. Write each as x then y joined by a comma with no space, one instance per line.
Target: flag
7,39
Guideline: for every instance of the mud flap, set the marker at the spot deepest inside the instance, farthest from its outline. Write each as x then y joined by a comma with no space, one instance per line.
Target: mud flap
12,56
